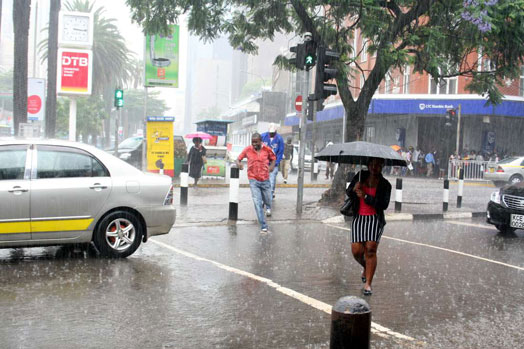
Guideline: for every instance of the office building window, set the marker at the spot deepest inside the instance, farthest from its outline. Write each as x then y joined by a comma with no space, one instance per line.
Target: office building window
364,53
446,86
405,80
521,87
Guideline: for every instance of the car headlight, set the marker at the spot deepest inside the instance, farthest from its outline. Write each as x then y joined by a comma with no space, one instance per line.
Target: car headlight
125,156
495,197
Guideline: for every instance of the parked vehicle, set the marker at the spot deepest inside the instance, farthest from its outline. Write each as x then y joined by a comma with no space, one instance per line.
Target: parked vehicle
58,192
307,160
506,208
235,151
509,170
130,150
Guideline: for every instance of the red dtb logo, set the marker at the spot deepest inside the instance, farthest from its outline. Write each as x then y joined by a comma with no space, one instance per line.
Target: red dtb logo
213,169
161,73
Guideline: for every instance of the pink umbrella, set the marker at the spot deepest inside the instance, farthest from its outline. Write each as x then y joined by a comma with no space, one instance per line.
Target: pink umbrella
202,135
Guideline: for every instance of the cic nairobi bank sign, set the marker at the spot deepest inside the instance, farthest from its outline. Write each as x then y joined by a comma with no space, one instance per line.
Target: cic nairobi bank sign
423,106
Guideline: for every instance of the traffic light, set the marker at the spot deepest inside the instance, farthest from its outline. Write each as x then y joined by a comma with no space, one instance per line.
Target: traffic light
326,71
451,115
300,53
310,56
119,98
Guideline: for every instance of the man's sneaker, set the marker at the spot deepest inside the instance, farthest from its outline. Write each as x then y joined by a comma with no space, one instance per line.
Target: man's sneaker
263,230
268,212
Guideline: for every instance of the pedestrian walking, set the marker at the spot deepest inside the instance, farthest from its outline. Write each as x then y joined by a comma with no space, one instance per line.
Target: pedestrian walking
430,163
286,159
370,193
330,166
260,163
196,159
275,141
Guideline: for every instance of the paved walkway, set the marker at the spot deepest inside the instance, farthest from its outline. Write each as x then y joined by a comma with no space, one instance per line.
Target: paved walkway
422,199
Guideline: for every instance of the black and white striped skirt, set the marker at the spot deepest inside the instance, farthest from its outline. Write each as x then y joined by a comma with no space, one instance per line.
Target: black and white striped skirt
366,228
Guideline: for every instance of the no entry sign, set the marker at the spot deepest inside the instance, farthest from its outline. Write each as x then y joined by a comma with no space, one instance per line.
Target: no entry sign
298,103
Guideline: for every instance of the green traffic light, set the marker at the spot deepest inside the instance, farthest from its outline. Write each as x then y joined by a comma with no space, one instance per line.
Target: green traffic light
310,60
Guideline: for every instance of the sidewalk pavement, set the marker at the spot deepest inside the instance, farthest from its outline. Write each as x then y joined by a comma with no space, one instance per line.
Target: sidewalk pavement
422,199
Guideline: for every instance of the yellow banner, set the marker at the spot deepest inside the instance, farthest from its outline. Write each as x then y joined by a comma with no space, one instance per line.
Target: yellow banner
160,146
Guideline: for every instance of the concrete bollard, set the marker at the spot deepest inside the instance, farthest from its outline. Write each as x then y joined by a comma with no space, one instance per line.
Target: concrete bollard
460,189
184,179
350,324
398,196
445,196
234,184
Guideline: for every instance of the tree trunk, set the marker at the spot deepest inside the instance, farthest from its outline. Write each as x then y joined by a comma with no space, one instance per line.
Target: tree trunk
52,52
21,12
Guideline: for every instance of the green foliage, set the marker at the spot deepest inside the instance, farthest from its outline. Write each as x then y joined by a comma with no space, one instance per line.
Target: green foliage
89,116
435,36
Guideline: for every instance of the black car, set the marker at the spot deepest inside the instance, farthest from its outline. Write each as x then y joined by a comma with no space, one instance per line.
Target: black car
506,208
130,150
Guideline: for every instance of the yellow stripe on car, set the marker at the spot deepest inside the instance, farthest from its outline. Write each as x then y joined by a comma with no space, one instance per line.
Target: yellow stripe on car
60,225
45,226
15,227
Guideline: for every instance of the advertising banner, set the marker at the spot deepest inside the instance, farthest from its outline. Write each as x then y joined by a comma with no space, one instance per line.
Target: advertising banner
74,71
35,99
161,59
160,145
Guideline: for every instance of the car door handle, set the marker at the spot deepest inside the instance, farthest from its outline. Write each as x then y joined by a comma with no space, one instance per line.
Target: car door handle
17,189
98,186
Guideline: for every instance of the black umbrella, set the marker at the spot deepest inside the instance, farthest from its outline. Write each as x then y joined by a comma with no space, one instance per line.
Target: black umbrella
359,153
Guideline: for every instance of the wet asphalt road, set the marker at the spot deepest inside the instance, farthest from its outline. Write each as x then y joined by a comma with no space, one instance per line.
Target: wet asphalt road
443,284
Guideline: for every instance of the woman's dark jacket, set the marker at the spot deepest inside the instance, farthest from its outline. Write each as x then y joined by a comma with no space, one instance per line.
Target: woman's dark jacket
381,200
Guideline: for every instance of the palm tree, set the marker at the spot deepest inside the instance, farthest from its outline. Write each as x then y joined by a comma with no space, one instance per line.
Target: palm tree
111,59
21,11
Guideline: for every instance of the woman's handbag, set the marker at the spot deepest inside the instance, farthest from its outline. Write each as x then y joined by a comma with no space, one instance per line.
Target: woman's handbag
346,207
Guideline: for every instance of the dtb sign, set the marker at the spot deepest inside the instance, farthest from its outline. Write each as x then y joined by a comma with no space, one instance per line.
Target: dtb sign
74,72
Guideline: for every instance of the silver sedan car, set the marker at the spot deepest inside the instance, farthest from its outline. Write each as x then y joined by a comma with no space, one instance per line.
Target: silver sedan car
509,170
57,192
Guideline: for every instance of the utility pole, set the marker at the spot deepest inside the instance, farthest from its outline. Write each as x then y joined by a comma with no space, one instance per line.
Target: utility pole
458,127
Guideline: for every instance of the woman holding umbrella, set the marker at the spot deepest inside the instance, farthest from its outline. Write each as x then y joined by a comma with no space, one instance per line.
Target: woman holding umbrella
370,193
196,159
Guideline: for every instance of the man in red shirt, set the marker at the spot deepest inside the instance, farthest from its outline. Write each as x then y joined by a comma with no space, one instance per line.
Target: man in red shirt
260,162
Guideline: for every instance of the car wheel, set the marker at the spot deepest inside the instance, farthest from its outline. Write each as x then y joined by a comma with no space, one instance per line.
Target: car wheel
505,229
118,235
515,179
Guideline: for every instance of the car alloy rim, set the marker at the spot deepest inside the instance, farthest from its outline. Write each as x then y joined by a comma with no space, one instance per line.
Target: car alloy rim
120,234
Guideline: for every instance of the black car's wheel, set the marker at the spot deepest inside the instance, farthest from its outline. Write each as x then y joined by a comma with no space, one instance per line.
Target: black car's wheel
118,235
516,178
504,229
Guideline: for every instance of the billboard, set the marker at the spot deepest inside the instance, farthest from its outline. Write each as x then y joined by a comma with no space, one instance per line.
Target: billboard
160,145
74,71
35,99
161,59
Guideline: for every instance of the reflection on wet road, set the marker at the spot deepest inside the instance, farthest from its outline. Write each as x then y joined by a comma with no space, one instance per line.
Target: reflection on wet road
446,284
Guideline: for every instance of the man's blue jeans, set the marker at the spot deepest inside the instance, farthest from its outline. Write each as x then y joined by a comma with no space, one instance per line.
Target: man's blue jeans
273,179
261,195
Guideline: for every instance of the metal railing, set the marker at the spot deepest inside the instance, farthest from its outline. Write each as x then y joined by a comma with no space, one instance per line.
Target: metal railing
473,169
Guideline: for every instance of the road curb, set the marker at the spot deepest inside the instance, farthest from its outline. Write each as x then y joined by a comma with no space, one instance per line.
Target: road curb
245,185
414,217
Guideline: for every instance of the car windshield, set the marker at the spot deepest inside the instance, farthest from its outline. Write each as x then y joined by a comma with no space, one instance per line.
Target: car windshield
132,142
507,160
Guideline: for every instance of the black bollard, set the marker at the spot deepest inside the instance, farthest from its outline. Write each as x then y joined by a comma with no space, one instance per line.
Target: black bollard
460,189
445,198
184,178
398,196
234,184
350,324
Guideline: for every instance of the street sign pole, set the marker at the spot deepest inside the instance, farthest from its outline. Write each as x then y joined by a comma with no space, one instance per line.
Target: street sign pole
302,145
72,118
458,128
